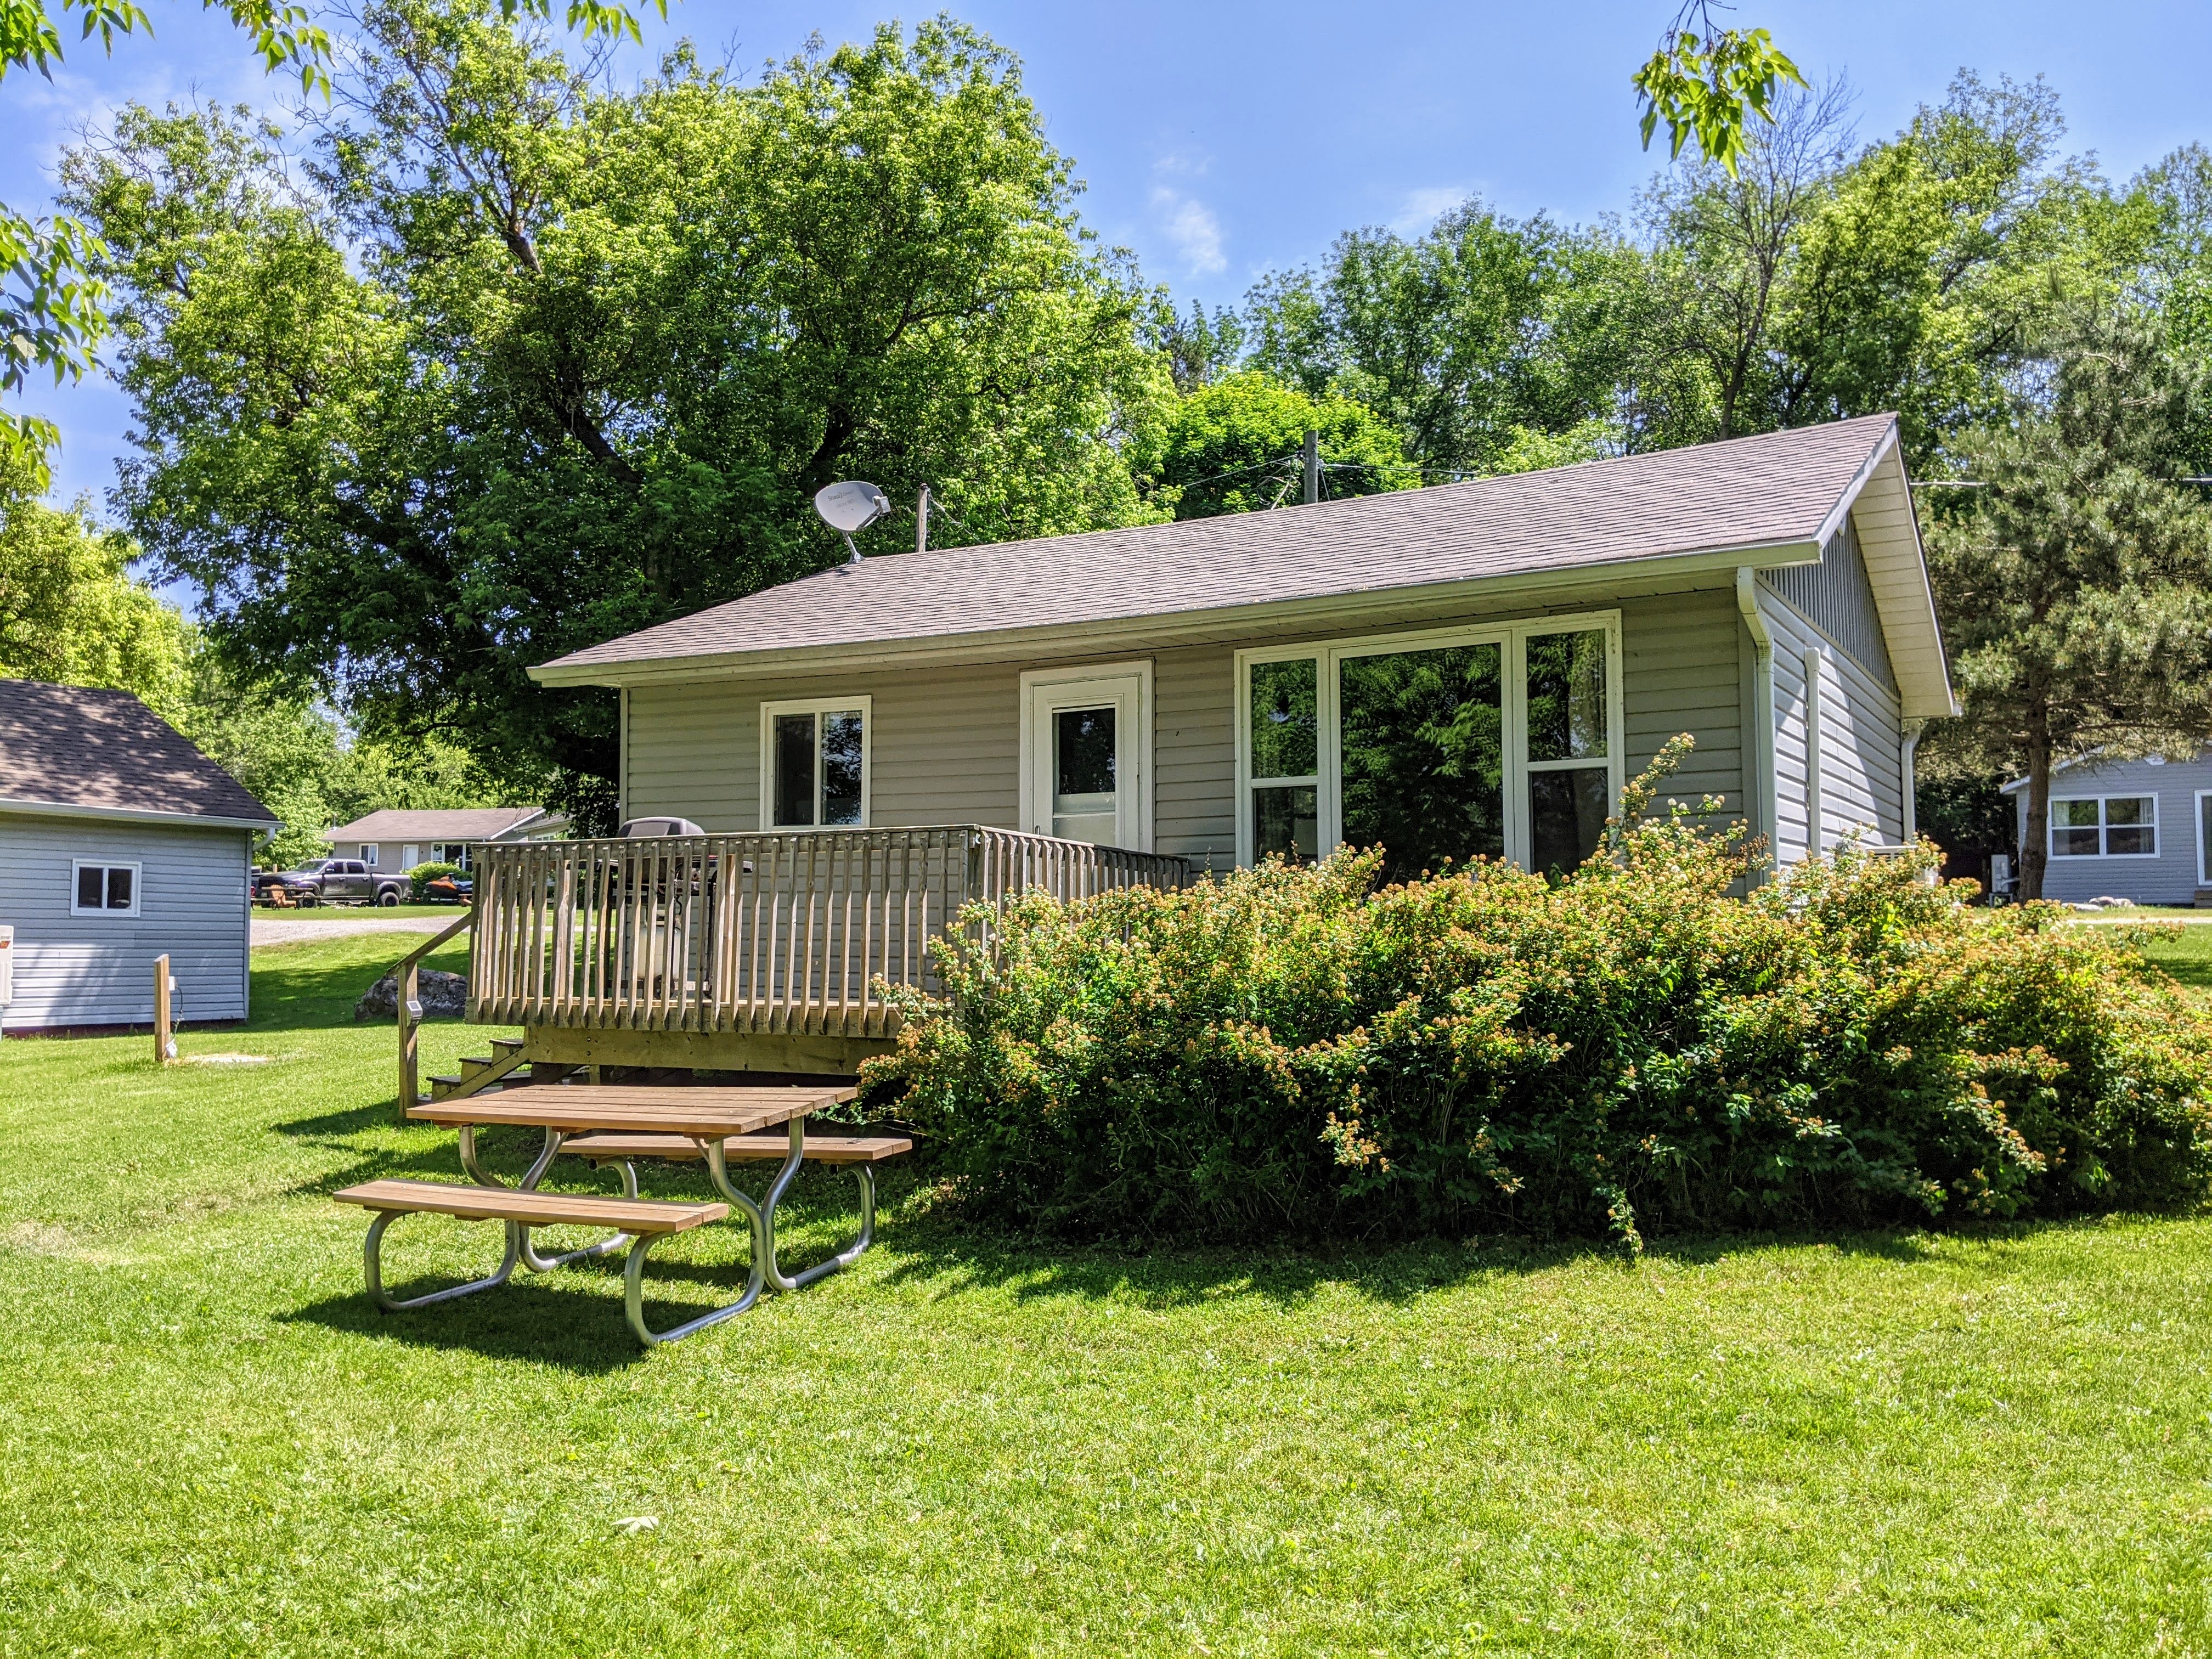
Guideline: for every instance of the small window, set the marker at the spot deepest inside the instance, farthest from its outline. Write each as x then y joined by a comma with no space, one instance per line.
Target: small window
104,889
368,856
814,764
2110,826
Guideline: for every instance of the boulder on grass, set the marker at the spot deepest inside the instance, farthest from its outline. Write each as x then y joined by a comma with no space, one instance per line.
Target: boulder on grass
443,996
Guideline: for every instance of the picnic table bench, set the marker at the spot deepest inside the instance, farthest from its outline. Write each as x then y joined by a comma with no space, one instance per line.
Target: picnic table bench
622,1124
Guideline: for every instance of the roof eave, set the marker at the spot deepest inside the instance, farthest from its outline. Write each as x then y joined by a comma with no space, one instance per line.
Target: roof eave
1165,629
133,815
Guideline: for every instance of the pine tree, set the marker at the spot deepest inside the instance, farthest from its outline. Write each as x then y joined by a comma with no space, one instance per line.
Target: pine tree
2075,585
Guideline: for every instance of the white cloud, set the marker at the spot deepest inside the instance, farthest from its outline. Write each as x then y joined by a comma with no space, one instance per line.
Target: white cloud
1420,209
1191,226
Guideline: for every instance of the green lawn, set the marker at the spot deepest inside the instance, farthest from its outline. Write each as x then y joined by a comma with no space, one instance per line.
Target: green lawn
1998,1442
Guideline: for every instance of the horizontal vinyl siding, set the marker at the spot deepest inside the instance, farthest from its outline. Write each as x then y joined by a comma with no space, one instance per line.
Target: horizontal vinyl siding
946,746
98,970
2169,878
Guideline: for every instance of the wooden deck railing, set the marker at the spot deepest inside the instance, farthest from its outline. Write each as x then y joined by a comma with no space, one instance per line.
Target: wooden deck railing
783,932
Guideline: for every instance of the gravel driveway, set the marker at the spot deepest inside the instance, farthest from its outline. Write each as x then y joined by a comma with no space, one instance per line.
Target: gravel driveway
288,930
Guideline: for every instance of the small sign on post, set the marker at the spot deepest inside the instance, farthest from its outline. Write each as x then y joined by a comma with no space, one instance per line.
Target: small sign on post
165,1046
7,970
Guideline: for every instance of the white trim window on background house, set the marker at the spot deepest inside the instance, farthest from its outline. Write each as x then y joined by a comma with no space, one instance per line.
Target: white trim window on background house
368,854
1349,739
815,763
99,889
2204,838
2104,826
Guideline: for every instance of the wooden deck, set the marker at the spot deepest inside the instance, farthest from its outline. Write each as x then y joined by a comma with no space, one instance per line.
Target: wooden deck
772,948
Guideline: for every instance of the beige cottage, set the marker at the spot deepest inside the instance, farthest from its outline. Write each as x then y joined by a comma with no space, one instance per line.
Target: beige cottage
1472,668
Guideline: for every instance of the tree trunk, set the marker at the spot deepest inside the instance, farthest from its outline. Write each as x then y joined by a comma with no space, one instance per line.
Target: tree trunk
2035,839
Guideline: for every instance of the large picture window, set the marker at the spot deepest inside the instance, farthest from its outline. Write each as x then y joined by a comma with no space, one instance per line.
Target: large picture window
2106,826
814,764
1497,742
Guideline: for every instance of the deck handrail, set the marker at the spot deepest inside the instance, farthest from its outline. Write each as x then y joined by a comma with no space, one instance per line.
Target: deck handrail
407,985
782,931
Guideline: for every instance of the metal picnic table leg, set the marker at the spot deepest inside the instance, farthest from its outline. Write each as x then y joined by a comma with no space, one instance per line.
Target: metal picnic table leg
536,1173
373,1261
634,1269
784,1176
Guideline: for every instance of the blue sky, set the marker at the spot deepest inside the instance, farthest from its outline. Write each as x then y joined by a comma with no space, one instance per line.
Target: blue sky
1219,140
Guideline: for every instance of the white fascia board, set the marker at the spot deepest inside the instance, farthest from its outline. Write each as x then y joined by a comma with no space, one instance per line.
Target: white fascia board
132,815
1221,623
1897,570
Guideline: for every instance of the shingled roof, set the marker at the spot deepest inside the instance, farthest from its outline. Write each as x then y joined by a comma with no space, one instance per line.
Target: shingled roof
106,755
458,823
1777,496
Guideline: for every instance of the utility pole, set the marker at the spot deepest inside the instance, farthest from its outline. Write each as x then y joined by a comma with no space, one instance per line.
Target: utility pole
922,522
1313,466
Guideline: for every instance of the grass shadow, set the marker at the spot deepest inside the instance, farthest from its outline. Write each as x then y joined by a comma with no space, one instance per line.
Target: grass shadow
532,1319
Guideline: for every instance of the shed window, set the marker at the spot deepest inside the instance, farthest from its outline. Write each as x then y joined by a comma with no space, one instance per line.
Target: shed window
104,889
2107,826
814,764
1499,741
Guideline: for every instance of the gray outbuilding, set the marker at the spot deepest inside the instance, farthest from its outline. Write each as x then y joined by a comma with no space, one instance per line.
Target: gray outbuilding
120,842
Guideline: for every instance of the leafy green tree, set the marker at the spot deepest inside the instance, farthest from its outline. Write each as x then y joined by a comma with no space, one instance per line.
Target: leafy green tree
2076,587
517,365
1924,277
1474,339
71,611
1235,445
51,301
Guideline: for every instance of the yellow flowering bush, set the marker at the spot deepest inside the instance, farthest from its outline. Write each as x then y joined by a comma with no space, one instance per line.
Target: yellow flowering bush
1290,1051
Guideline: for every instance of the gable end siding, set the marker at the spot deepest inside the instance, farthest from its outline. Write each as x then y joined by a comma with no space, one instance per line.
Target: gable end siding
1837,596
1860,764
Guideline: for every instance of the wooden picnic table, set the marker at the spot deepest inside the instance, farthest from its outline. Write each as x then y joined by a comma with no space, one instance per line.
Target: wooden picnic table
704,1118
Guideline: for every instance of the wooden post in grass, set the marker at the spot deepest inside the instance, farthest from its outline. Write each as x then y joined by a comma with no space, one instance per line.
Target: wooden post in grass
165,1046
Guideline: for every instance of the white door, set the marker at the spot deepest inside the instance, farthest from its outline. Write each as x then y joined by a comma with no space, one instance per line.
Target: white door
1086,754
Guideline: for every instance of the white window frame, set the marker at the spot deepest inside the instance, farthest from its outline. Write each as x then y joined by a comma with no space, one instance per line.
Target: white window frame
1511,636
1040,696
368,854
862,705
2051,826
137,886
2203,843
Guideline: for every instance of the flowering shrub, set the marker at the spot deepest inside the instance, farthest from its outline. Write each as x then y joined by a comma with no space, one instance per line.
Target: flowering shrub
1636,1046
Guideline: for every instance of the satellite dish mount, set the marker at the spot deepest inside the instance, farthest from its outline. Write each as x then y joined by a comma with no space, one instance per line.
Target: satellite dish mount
851,506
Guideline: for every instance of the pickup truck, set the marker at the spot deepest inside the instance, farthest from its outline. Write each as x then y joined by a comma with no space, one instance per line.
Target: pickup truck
335,881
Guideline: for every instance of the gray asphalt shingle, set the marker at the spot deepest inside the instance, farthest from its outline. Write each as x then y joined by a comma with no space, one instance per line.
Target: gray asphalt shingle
1773,489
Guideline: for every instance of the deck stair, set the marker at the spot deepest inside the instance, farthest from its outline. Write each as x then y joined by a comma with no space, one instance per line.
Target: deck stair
481,1072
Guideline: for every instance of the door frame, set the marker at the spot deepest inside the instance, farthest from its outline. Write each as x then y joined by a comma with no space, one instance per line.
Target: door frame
1045,690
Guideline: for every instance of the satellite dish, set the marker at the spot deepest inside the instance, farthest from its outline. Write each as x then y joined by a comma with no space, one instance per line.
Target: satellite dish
850,506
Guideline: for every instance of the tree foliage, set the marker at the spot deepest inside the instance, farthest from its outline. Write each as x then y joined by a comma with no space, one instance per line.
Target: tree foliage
70,611
1235,445
512,364
53,302
2076,584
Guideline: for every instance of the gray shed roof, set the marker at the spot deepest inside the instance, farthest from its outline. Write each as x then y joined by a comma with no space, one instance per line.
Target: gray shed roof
1783,490
105,754
466,824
